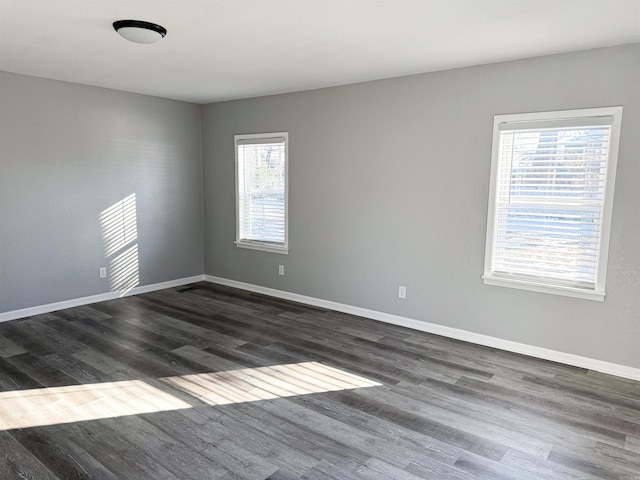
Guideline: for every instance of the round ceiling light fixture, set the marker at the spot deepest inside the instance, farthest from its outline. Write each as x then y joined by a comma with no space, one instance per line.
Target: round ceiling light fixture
138,31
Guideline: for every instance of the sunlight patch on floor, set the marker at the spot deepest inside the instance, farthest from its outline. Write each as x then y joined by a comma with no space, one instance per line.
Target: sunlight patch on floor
77,403
264,383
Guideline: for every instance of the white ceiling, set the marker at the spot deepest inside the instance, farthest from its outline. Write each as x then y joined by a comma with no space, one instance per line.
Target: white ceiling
226,49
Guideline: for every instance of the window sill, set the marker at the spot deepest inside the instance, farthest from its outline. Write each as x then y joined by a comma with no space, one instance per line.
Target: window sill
262,247
545,288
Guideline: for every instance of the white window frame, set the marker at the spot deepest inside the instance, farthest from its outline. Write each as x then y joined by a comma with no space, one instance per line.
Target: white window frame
256,244
540,284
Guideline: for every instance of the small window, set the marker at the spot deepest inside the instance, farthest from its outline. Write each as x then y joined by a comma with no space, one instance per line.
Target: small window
261,191
550,203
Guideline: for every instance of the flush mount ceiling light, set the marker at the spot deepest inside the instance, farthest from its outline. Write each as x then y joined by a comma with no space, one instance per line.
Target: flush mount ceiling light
138,31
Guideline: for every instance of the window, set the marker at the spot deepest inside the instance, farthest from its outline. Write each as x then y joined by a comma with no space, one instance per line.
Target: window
551,196
261,191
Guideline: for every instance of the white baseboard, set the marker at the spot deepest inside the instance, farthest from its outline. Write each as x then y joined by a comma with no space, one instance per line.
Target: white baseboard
508,345
76,302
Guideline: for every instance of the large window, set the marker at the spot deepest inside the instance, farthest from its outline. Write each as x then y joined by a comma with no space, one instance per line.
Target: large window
551,196
261,191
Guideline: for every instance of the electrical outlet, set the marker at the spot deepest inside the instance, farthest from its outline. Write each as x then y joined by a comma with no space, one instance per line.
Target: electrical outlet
103,272
402,292
280,269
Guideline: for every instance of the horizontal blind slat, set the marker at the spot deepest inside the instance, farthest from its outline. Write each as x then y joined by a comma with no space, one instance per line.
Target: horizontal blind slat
564,123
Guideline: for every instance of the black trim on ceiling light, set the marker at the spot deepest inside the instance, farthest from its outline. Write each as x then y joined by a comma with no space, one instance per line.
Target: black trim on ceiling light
117,25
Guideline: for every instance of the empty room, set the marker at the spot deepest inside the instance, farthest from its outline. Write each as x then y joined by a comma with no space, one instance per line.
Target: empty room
319,239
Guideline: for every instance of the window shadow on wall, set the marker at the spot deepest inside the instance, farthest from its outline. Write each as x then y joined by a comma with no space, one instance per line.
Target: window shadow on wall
120,238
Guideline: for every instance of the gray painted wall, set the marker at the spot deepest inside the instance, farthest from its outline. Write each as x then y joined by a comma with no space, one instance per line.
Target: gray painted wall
389,184
69,152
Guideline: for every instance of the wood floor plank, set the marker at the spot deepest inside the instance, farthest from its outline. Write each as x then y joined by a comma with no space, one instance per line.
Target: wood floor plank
451,433
578,414
41,371
443,409
107,442
52,453
13,378
9,349
17,462
544,469
481,469
488,424
425,447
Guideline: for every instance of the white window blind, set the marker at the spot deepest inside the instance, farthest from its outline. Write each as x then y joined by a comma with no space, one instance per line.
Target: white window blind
261,175
551,203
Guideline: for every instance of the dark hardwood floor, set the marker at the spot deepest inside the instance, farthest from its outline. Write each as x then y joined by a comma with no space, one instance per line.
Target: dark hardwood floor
171,385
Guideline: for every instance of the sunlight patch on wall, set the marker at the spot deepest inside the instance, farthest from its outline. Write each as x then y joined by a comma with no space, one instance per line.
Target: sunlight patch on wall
264,383
124,270
119,224
77,403
120,237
